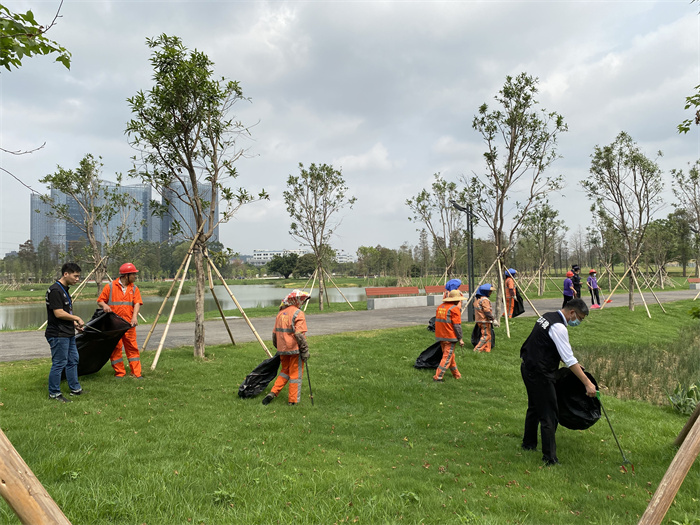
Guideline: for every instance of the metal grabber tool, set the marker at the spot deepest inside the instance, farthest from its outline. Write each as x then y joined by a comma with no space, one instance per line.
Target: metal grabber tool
625,461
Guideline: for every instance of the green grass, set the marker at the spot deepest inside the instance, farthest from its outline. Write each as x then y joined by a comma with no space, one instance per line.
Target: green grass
383,443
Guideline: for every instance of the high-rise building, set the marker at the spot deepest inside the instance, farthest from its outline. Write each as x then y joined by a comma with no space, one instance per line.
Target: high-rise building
42,226
180,211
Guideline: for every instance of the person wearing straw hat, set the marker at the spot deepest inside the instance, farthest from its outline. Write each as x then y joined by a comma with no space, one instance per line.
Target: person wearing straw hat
483,316
509,285
448,331
289,338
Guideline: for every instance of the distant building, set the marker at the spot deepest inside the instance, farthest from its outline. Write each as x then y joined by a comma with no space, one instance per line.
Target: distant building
182,213
262,257
344,257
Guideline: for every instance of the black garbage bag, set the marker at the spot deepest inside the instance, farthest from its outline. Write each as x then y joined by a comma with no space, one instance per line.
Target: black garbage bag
518,306
476,336
431,324
430,357
96,342
577,411
259,378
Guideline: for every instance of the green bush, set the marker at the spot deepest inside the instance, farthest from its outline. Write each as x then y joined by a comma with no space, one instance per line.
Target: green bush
685,398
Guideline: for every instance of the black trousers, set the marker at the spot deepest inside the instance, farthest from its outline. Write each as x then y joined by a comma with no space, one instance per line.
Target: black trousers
597,296
567,298
542,410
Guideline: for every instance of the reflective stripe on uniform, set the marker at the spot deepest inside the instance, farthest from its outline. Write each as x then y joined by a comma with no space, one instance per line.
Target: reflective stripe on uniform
132,359
121,360
121,303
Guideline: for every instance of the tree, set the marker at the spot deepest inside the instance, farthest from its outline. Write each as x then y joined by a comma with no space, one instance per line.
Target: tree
22,36
691,102
27,256
521,145
313,199
97,208
306,265
434,210
626,186
187,143
686,188
684,240
47,254
283,264
542,230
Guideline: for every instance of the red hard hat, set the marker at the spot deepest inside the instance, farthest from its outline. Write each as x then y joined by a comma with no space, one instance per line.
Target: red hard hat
127,268
592,271
569,274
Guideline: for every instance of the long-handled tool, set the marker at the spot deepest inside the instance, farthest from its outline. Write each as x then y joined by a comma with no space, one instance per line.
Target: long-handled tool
625,461
308,376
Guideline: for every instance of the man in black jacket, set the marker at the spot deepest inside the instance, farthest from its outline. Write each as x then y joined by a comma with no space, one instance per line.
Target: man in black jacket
547,344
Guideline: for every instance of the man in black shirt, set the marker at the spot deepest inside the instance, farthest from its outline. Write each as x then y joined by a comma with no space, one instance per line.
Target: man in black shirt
576,279
545,347
60,333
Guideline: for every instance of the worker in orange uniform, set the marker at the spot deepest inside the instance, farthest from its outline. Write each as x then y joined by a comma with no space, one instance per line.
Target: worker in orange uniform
509,285
448,330
123,297
289,338
483,315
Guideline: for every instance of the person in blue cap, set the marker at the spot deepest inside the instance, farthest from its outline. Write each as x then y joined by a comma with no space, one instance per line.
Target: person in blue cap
483,316
452,284
509,285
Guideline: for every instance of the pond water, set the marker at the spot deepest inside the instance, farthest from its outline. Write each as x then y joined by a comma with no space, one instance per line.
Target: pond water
21,316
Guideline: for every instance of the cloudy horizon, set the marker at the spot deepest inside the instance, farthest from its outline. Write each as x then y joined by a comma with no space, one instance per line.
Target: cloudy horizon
384,91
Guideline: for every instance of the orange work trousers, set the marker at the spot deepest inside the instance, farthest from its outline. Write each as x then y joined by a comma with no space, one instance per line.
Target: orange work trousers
510,303
292,373
448,361
132,354
484,344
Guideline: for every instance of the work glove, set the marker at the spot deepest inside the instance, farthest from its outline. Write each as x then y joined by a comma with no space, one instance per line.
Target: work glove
304,352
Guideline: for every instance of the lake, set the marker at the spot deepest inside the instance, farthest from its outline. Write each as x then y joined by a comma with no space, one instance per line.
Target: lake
22,316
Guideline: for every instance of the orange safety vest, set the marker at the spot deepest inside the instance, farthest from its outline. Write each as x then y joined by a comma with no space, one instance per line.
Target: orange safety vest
448,315
481,308
289,321
122,303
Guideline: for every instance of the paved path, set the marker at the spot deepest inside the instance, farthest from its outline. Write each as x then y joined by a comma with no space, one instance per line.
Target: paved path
15,346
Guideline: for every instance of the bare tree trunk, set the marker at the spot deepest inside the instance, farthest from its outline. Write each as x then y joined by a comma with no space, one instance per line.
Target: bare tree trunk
321,285
630,294
199,302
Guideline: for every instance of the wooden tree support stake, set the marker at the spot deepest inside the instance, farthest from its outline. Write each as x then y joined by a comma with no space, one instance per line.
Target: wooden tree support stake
23,492
503,292
240,308
172,313
672,480
218,305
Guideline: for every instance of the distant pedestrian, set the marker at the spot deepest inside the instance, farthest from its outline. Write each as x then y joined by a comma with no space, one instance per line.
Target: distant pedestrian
483,316
592,283
448,331
509,285
569,292
123,297
576,279
289,338
60,333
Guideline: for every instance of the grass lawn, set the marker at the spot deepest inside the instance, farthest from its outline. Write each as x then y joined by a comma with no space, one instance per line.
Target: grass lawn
383,443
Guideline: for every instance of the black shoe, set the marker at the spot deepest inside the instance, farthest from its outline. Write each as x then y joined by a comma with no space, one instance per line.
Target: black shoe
291,404
529,449
438,380
268,398
60,398
77,392
550,462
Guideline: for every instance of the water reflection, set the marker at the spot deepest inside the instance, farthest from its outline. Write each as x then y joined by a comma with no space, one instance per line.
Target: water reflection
21,316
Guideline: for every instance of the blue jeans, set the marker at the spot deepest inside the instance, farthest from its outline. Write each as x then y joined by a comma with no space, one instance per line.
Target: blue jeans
64,355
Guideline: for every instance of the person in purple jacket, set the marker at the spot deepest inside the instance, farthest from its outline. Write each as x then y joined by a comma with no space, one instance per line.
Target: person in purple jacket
592,282
569,292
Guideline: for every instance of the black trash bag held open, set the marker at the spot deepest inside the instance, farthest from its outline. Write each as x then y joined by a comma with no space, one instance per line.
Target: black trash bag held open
259,378
430,357
97,341
577,411
518,306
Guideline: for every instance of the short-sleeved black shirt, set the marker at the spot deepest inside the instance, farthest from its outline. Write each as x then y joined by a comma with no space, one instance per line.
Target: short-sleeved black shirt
58,298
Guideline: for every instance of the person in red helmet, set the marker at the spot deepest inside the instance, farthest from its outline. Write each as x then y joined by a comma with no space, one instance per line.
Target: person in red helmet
123,297
569,291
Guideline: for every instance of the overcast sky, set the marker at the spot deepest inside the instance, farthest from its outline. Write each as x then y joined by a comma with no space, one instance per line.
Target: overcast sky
385,91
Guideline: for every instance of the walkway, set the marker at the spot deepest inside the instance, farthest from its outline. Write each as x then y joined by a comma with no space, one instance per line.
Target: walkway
15,346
